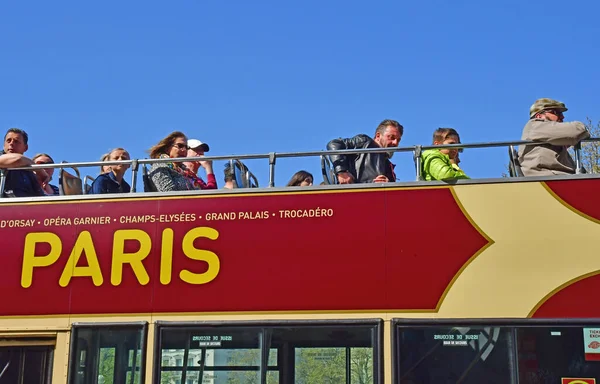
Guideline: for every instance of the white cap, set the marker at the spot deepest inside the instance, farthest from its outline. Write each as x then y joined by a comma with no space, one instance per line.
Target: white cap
194,143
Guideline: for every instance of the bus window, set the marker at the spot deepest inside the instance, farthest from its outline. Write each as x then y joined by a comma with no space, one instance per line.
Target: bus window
268,354
454,355
523,353
107,354
547,354
25,364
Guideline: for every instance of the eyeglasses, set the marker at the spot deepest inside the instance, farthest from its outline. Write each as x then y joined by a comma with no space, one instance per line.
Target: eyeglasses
554,112
180,146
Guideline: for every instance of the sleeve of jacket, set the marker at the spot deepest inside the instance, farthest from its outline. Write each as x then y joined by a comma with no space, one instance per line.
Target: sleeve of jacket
341,163
98,186
557,133
211,182
439,169
160,174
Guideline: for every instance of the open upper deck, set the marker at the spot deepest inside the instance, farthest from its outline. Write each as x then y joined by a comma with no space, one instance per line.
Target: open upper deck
509,247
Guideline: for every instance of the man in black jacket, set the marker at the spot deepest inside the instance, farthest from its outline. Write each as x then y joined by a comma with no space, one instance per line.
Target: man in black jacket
367,167
20,183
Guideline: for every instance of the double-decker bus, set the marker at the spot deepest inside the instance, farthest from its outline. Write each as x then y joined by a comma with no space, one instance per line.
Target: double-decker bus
475,281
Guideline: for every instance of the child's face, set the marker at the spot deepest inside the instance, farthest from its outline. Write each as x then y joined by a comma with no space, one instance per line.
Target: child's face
452,139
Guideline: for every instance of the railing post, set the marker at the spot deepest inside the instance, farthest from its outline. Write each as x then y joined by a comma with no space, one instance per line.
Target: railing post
134,172
272,160
2,182
417,160
578,158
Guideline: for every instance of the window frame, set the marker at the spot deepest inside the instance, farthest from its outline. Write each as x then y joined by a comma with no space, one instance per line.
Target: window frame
511,323
378,323
105,326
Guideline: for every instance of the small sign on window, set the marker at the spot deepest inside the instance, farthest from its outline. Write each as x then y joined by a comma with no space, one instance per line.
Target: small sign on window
210,340
591,341
572,380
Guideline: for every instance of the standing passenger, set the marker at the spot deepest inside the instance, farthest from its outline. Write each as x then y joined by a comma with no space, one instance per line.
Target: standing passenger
442,164
112,181
546,124
367,167
196,148
170,176
301,179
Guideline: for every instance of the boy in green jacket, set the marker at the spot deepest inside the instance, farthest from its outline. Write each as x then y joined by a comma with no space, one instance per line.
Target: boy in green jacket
442,164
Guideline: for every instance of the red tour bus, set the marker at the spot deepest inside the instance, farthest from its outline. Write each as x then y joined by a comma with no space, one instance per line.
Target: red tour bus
477,281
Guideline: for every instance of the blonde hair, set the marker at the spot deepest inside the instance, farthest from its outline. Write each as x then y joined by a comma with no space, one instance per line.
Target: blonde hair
40,155
106,157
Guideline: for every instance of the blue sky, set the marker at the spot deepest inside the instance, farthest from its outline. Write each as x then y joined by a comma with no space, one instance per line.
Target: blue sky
255,77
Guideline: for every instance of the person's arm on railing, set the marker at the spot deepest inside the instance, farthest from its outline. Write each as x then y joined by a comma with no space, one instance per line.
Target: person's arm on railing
14,160
557,133
341,163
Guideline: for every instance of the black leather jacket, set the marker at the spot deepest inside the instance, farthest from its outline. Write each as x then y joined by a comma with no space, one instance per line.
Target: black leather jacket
363,166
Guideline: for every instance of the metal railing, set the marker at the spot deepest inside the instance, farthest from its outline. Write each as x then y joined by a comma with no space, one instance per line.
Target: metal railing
273,156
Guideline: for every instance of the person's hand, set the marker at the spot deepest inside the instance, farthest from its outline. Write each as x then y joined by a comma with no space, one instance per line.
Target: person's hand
42,176
381,179
207,165
345,177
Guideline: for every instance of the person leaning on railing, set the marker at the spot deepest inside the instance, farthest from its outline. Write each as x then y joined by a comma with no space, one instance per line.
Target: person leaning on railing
367,167
546,124
19,183
111,181
442,164
170,176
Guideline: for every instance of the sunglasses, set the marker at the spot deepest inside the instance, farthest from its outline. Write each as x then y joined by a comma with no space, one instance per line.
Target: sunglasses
180,146
554,112
44,162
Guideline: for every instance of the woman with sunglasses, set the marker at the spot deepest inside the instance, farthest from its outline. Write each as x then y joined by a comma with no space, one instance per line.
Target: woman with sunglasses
45,177
170,176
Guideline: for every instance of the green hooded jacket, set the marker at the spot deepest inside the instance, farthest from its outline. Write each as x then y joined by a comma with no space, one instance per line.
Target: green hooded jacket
437,166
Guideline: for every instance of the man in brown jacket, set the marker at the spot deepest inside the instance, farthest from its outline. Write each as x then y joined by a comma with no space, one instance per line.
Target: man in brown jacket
546,124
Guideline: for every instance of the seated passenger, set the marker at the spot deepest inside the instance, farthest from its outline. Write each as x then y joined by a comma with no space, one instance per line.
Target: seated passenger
301,179
197,148
442,164
367,167
49,189
546,124
112,181
19,183
229,177
170,176
104,168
